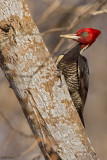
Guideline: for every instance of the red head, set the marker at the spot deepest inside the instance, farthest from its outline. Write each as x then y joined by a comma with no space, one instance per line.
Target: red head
85,36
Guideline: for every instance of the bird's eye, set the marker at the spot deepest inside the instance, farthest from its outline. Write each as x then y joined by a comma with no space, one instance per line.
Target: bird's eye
84,34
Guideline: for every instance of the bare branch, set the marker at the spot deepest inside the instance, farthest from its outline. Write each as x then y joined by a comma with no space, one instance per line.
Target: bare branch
36,156
8,140
81,13
29,150
11,127
48,11
53,30
99,12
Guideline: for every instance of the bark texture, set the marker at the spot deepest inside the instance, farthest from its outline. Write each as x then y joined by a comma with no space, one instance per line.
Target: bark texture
31,73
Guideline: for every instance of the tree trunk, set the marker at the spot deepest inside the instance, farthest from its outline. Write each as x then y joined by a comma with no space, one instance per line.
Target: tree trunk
31,73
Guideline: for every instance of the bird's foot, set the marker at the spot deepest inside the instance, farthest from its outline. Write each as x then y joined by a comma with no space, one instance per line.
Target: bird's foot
59,75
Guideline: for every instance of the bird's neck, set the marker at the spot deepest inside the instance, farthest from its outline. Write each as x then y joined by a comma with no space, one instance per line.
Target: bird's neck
76,50
74,53
83,48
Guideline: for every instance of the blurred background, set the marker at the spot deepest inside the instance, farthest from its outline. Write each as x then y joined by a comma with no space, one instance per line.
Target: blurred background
55,17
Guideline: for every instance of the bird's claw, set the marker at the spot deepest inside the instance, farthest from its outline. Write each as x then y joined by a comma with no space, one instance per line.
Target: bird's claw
59,74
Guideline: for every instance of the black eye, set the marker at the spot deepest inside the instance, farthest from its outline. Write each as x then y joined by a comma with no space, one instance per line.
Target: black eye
84,34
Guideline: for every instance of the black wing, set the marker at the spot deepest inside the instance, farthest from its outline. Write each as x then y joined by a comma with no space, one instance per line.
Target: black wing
83,71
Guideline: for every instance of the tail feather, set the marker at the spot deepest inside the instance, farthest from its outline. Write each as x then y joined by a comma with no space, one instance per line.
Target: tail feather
81,117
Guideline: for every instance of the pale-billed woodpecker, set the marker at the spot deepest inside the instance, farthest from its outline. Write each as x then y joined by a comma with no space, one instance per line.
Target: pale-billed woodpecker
75,69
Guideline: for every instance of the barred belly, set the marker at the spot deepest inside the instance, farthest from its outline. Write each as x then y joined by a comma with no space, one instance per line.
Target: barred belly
72,80
71,77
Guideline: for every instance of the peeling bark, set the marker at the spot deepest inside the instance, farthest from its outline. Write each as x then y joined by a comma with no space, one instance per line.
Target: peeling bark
31,73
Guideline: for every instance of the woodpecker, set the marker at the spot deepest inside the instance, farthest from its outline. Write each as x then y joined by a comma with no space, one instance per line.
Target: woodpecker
75,69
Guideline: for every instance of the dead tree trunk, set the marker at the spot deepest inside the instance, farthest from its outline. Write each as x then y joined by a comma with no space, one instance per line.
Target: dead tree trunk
31,73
